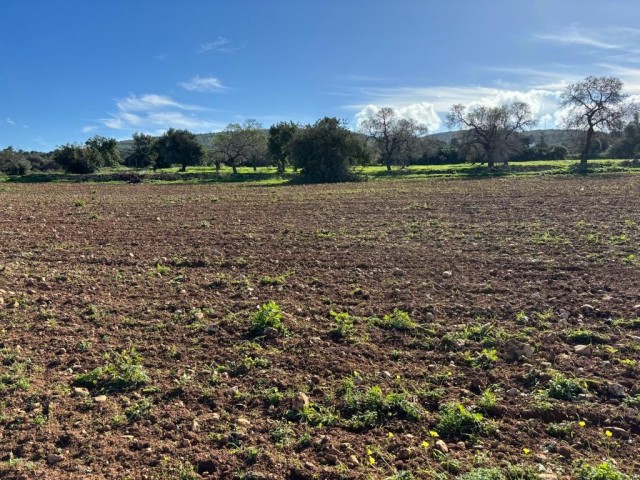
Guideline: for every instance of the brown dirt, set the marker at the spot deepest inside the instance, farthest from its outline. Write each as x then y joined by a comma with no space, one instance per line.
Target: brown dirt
176,272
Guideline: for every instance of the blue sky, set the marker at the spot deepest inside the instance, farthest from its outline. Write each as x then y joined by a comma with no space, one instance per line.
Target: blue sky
74,69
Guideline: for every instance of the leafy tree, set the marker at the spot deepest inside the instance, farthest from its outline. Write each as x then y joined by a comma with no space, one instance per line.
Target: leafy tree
490,130
628,145
178,146
107,148
240,143
77,159
280,136
595,104
144,152
326,150
393,136
14,162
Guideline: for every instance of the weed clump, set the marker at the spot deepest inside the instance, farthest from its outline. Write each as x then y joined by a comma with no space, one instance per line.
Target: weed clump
604,471
563,388
397,320
123,371
457,423
268,315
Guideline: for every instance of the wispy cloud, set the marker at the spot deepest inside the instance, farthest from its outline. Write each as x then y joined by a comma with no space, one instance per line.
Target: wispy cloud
203,84
89,128
156,113
10,122
574,37
162,57
220,44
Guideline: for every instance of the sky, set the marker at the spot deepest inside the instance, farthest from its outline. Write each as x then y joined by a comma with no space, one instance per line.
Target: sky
72,69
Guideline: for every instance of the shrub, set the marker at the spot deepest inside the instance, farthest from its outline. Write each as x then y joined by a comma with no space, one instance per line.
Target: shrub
604,471
563,388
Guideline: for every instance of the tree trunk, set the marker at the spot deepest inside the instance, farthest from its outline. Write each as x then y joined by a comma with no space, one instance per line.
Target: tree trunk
217,167
183,168
587,146
388,162
235,169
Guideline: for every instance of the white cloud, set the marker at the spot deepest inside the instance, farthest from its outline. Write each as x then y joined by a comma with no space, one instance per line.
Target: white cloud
203,84
220,44
89,128
10,122
574,37
153,112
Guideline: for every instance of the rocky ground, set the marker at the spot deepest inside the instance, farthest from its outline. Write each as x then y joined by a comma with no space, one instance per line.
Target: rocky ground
429,329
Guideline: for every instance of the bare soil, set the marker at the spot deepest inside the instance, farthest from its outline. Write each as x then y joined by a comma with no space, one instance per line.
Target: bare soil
177,272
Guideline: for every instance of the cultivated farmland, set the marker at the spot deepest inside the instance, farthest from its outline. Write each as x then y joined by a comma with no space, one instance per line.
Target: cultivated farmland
400,329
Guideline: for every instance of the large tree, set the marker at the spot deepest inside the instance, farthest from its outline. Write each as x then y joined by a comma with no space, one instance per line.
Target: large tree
178,146
107,148
239,144
490,131
326,150
144,152
280,136
595,104
394,136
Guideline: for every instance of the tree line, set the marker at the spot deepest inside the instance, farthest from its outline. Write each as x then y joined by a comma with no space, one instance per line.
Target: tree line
601,116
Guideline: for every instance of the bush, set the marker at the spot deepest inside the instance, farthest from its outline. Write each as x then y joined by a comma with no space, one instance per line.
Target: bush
77,159
326,150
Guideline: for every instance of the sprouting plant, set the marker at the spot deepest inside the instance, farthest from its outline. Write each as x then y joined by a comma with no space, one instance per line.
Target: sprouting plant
484,360
268,315
604,471
343,325
122,371
456,422
397,320
563,388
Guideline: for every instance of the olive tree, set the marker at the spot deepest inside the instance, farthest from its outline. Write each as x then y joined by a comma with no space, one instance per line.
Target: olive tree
395,137
490,131
240,143
178,146
595,104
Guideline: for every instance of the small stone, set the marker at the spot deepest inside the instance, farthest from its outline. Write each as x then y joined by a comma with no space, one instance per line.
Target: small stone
513,392
386,374
584,350
80,392
441,446
315,379
587,309
353,460
271,332
255,476
447,274
404,454
429,317
243,421
54,458
565,451
616,390
547,476
100,399
515,350
564,315
300,402
331,459
617,432
605,364
211,329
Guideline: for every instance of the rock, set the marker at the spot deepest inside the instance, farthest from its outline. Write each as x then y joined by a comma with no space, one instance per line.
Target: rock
429,317
564,315
300,402
80,392
515,350
547,476
211,329
54,458
271,332
565,451
583,350
353,459
587,309
386,374
513,392
404,454
605,364
617,432
441,446
616,390
447,274
331,459
255,476
100,399
243,421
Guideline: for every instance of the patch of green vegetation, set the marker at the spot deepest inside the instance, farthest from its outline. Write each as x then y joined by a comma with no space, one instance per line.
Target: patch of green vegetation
123,371
268,315
563,388
604,471
584,336
397,320
457,423
485,360
343,325
273,281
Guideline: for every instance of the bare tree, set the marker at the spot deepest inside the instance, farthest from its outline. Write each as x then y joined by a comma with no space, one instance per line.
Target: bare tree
595,104
393,136
490,130
240,143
